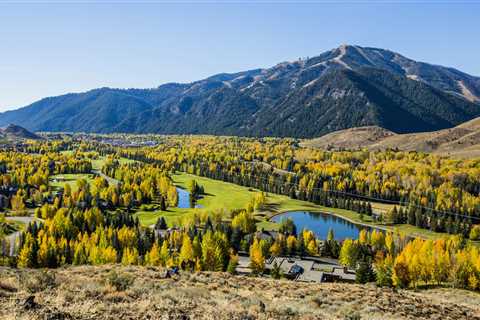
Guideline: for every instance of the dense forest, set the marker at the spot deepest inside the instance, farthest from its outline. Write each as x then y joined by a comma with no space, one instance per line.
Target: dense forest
431,192
93,222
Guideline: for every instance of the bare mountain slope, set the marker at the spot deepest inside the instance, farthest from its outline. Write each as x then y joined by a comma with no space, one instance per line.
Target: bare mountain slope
461,141
353,138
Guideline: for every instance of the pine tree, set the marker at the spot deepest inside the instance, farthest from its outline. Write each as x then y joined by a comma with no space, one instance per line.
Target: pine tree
364,272
276,272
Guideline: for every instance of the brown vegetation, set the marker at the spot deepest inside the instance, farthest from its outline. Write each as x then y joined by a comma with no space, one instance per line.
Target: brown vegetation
462,141
145,293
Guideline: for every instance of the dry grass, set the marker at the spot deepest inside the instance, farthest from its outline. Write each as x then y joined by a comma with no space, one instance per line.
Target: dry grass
86,293
462,141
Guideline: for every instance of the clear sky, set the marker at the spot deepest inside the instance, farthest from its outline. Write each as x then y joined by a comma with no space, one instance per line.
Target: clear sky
49,49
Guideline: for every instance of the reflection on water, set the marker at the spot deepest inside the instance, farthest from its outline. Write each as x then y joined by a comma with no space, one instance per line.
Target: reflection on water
184,200
320,223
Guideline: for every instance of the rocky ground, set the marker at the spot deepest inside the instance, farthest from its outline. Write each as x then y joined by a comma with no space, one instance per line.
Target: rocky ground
145,293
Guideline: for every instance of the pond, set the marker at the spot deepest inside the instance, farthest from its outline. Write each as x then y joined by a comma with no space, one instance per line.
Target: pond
320,223
184,199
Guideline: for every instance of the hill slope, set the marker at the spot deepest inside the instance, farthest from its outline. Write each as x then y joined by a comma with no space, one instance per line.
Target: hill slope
13,133
462,141
346,87
85,293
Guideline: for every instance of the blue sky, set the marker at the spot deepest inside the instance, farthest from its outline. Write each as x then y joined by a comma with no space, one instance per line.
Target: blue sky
49,49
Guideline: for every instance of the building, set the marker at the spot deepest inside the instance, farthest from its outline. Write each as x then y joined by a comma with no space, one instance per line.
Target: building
311,270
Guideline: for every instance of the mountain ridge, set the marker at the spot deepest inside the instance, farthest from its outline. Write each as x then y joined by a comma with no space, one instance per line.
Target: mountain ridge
345,87
462,141
14,133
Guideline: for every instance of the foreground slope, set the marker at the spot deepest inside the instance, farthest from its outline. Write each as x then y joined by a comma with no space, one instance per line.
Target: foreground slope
346,87
85,293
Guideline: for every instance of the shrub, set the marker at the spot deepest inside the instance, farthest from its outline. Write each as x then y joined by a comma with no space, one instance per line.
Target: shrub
475,232
119,282
36,281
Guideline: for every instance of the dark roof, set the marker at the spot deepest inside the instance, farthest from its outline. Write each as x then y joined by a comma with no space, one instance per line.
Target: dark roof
296,269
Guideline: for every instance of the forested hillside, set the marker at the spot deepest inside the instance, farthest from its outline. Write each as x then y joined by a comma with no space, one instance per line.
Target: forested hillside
346,87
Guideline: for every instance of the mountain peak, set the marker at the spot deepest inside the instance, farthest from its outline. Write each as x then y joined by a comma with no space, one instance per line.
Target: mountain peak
345,87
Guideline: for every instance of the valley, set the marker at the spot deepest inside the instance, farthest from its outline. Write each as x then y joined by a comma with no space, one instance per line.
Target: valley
239,160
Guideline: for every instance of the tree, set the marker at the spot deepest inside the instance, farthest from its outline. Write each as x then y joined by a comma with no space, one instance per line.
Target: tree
161,224
129,256
287,227
152,258
401,275
208,252
257,260
186,257
475,232
364,272
245,222
164,253
384,270
27,255
291,244
172,196
276,272
390,243
348,253
232,264
275,249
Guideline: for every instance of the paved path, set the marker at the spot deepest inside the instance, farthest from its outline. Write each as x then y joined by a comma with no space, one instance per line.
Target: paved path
109,179
12,237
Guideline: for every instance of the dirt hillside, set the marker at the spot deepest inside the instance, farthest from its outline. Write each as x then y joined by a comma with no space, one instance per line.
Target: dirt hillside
462,141
144,293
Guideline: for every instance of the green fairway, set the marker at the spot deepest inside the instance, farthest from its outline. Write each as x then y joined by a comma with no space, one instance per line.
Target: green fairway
224,195
221,195
57,182
97,164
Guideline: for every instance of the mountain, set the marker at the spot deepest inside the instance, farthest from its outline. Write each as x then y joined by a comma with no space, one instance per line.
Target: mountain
346,87
462,141
13,133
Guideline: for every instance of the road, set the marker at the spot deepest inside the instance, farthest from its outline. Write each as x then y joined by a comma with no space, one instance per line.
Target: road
12,238
109,179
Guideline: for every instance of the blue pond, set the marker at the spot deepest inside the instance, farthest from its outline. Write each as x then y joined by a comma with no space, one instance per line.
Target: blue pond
184,199
320,223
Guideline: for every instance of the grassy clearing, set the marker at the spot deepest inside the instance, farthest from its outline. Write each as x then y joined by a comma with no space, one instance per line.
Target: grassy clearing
57,182
224,195
230,196
97,164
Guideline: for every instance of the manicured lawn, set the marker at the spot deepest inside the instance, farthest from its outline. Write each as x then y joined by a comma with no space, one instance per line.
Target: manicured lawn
57,182
221,195
224,195
97,164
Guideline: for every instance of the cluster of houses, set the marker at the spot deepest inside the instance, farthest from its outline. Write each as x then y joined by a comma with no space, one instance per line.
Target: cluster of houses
304,269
